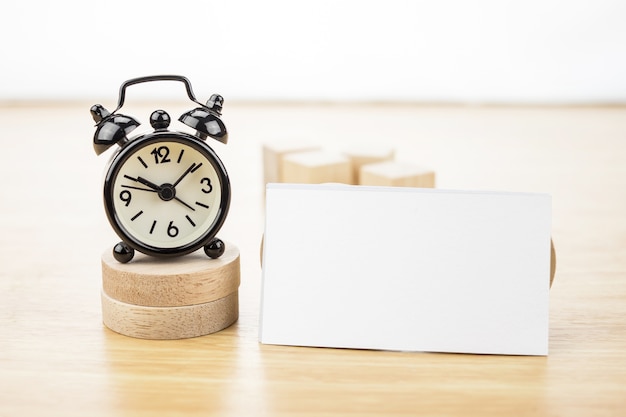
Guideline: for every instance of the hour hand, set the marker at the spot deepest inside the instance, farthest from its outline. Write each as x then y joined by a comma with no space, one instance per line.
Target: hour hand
144,181
147,183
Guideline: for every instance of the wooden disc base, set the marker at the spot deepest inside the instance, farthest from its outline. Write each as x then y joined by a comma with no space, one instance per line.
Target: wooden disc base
173,298
171,282
169,322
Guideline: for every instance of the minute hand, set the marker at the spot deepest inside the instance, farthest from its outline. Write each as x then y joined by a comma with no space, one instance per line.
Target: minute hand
184,174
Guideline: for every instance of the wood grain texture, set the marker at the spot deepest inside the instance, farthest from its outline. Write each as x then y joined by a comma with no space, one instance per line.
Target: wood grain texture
364,155
171,282
57,358
316,167
169,322
273,153
396,174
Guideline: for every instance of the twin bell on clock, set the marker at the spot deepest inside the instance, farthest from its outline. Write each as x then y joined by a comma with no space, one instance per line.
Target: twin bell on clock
166,193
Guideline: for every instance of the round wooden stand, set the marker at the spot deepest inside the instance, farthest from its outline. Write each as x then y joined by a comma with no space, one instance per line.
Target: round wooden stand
169,322
171,282
170,298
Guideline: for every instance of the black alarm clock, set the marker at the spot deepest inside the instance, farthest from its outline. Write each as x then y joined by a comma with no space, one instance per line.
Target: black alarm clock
166,193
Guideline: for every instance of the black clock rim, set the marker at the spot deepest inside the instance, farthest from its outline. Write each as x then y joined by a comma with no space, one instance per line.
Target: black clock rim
126,152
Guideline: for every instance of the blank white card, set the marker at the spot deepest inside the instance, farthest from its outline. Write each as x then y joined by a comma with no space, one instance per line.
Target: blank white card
406,269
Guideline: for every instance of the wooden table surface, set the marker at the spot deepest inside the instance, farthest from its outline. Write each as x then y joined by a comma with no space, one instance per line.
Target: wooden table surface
57,358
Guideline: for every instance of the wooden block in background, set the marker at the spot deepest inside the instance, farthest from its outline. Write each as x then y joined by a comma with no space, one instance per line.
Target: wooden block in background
169,323
316,167
171,282
366,155
273,154
396,174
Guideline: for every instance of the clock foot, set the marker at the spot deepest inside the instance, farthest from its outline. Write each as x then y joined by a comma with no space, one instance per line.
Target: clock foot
123,253
215,248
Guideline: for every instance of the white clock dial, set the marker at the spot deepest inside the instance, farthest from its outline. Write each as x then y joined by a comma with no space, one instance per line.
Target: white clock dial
166,194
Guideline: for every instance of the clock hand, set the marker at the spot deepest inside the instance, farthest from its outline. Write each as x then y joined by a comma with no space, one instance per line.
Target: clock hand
148,183
139,188
159,189
184,174
144,182
184,204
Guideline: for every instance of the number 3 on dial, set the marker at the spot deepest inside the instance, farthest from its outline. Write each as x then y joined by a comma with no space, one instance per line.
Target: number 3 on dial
208,187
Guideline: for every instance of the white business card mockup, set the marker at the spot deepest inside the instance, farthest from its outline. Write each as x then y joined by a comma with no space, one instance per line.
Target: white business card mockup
406,269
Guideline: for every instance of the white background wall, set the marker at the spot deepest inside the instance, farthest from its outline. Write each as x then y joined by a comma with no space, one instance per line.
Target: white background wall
415,50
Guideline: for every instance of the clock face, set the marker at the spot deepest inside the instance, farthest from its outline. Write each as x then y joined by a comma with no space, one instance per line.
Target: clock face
166,195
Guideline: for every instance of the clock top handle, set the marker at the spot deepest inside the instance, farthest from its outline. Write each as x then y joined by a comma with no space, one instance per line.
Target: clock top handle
151,78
